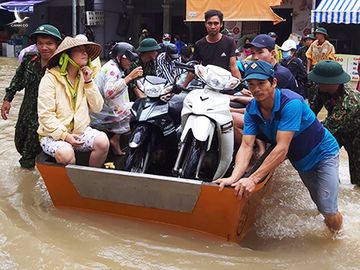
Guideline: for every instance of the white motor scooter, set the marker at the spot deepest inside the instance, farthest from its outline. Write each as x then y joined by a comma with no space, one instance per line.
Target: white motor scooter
207,126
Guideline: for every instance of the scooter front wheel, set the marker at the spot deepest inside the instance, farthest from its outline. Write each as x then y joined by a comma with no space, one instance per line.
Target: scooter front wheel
137,160
191,166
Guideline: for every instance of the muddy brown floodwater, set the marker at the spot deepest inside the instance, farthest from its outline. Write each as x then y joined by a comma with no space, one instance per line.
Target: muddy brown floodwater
289,232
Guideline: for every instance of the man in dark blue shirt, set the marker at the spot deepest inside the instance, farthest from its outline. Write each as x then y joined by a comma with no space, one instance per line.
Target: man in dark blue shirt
281,117
263,48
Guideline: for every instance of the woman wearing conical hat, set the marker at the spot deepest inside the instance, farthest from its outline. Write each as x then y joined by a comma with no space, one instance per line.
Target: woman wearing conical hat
66,96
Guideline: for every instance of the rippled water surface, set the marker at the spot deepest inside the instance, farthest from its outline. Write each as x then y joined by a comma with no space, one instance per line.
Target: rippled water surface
289,233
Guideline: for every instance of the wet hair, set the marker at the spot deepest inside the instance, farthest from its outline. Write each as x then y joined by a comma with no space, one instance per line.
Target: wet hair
213,12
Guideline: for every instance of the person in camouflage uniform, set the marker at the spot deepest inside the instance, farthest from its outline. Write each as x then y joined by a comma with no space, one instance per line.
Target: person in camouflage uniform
148,52
28,76
343,106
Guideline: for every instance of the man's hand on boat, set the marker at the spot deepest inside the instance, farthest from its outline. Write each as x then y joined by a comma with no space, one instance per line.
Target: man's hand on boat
74,140
225,182
242,187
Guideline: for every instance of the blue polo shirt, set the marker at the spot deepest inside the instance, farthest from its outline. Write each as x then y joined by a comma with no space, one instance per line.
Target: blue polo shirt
311,142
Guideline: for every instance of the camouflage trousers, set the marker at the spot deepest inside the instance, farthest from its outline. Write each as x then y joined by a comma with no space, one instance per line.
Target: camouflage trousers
351,143
27,144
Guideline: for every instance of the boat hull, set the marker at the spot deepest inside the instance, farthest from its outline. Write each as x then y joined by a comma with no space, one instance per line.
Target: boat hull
182,202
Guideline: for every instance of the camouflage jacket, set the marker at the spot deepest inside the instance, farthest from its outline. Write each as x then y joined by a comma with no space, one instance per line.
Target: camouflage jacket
27,76
343,111
148,69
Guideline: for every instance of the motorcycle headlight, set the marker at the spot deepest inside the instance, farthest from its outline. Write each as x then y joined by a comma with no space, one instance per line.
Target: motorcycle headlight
214,82
216,77
153,91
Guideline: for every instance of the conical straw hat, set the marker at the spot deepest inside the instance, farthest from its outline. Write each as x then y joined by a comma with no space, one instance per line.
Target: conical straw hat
93,49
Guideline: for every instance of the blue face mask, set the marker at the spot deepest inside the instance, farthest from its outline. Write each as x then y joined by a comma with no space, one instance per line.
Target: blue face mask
286,55
166,42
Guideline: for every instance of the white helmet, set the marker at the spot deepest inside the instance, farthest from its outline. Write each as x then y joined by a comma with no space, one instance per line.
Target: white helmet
288,45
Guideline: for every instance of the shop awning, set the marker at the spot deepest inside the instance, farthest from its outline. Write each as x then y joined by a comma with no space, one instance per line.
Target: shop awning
20,6
239,10
337,11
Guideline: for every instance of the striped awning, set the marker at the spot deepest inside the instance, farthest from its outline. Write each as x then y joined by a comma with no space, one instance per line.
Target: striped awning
337,11
19,6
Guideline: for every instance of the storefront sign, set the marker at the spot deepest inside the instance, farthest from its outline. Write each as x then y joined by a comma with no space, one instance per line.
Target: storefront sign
235,29
350,64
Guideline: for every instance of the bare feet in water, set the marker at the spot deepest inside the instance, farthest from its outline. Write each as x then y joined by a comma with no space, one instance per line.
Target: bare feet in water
334,222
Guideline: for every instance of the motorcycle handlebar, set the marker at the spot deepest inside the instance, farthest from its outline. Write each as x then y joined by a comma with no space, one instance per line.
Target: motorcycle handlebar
238,88
187,67
177,89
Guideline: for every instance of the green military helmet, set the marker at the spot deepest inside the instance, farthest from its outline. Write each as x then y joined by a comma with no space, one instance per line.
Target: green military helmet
148,45
310,36
48,30
321,30
328,72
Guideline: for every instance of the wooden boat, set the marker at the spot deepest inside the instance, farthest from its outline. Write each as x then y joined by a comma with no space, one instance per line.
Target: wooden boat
187,203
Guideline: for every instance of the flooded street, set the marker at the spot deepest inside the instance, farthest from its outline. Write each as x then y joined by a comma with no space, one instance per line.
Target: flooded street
289,232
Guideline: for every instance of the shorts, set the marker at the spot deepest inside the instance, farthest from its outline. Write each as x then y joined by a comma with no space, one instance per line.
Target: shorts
49,145
323,184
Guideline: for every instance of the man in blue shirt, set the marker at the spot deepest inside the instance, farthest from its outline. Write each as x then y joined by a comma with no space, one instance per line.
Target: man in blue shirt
263,49
281,117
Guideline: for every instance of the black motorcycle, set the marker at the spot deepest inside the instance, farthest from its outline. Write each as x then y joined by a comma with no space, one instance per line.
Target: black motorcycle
153,142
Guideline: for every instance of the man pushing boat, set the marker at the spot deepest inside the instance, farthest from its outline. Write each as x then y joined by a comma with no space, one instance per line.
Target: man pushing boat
281,116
